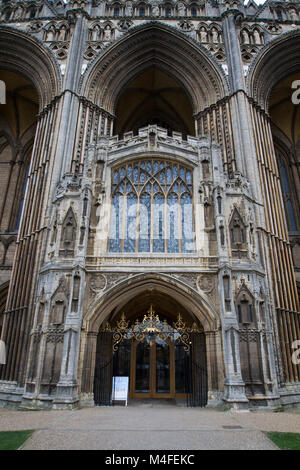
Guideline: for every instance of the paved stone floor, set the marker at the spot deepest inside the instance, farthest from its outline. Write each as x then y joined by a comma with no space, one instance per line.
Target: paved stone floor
152,427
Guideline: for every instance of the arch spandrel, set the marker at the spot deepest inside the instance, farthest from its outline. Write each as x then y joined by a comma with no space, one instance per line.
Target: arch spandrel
101,308
26,55
278,59
154,44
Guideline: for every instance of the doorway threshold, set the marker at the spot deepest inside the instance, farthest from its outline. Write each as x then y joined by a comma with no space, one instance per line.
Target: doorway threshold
156,402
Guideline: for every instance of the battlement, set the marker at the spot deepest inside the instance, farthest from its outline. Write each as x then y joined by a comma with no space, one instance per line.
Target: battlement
154,134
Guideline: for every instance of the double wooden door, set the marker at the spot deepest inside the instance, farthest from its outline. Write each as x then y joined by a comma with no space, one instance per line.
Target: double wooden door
157,369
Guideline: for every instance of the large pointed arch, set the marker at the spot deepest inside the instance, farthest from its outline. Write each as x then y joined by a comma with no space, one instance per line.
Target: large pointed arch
105,303
162,46
26,55
144,286
277,60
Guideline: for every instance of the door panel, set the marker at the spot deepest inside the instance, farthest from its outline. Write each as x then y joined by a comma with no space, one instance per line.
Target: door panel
153,369
162,363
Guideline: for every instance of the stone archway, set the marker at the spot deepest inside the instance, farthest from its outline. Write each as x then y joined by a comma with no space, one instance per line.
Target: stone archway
23,54
277,60
157,45
155,287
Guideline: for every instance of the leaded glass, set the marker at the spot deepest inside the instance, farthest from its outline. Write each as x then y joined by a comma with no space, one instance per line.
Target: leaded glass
287,196
152,208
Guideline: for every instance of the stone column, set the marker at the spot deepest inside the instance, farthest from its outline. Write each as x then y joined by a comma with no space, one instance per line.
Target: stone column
234,393
244,143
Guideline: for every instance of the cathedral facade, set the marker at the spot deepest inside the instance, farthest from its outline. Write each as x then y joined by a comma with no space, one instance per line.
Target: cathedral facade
149,202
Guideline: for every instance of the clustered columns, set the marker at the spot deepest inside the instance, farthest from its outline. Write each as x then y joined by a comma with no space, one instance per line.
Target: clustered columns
30,242
273,232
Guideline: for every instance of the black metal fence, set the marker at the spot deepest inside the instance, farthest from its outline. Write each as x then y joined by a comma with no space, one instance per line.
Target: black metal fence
118,364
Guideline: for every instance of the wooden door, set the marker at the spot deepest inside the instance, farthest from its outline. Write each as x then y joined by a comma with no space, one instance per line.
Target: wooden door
153,369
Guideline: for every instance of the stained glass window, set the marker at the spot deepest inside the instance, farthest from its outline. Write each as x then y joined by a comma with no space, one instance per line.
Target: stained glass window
152,208
287,196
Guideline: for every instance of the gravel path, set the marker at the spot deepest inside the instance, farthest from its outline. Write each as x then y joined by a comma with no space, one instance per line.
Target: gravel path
152,428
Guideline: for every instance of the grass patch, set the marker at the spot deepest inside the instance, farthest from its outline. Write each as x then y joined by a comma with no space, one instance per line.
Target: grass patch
12,440
285,440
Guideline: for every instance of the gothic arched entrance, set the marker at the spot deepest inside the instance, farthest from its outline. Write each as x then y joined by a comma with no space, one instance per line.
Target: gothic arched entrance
161,359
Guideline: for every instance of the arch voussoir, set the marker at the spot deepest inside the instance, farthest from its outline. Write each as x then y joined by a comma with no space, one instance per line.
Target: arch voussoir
102,307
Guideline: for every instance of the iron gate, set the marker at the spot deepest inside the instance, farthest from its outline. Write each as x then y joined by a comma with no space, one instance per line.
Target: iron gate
111,363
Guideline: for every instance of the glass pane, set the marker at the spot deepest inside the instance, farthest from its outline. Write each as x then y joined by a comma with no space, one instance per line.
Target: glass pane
116,224
158,224
162,366
173,224
291,216
145,216
180,368
130,234
187,224
142,372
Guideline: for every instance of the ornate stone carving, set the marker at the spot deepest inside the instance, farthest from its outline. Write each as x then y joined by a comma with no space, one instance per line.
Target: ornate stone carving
92,49
114,278
55,335
205,283
124,24
35,27
274,27
69,184
190,279
97,283
128,9
185,26
249,334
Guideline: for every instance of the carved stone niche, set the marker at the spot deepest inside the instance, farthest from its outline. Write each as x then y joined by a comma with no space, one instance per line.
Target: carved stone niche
68,235
237,229
59,304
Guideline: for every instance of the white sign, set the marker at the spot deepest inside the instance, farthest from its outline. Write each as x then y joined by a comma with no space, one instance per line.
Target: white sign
120,389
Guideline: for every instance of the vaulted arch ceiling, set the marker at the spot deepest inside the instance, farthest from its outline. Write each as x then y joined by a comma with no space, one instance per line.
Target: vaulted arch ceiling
154,98
276,61
23,54
285,115
22,102
162,47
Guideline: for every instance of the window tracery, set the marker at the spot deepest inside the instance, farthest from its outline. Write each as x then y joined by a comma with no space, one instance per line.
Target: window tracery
152,207
287,195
